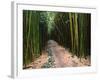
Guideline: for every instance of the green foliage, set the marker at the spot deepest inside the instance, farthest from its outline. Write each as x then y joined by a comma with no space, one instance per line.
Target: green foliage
50,21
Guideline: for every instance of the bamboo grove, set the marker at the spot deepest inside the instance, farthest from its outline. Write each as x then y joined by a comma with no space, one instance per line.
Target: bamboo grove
70,30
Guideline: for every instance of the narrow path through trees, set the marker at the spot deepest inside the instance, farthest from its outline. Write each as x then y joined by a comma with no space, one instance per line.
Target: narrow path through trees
62,58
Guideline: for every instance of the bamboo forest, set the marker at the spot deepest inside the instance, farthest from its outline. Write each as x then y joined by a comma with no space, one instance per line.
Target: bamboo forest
56,39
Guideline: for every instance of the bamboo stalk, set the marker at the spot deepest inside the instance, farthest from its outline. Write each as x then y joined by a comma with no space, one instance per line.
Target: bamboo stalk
76,33
71,31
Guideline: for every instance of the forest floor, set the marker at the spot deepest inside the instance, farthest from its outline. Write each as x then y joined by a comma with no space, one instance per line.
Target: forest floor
60,58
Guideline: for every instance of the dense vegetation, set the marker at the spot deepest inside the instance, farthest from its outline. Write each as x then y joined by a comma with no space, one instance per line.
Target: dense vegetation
70,30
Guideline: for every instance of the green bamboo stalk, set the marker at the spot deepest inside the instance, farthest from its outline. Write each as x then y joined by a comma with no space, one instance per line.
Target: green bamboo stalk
36,42
71,30
29,26
25,35
81,24
76,33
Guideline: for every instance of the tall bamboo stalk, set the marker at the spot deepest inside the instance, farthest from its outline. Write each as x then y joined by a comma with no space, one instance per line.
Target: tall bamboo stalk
28,35
71,31
76,33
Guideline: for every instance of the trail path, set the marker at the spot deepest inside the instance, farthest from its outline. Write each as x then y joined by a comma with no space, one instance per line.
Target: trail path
59,56
62,58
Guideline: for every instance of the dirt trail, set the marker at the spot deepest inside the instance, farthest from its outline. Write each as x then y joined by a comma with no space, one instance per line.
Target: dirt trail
59,56
62,58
